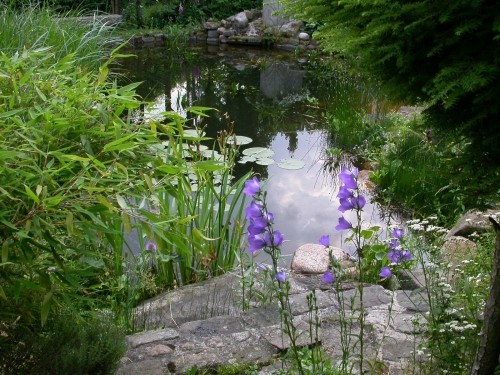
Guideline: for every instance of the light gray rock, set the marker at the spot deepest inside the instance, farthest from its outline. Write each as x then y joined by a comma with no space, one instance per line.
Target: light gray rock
148,337
315,258
240,21
291,28
473,222
304,36
456,249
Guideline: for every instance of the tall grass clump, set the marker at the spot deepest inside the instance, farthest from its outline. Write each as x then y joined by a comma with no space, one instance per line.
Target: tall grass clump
36,27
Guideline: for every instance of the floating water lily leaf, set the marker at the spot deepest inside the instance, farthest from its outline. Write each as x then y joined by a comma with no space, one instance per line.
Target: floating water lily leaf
240,140
291,164
246,159
265,161
258,152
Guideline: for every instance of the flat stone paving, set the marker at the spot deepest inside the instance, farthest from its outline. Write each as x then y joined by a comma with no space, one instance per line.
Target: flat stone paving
181,334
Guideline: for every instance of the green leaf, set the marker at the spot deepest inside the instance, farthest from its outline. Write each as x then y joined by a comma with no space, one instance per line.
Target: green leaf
5,252
69,223
31,194
46,307
210,165
258,152
240,140
122,202
265,161
291,164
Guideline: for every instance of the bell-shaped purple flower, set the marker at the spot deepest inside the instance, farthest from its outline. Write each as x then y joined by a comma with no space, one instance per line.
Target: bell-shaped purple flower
328,277
151,246
385,272
181,9
256,229
325,240
345,204
256,243
398,233
393,243
406,255
254,210
348,178
345,192
398,256
358,202
252,186
343,224
277,239
280,276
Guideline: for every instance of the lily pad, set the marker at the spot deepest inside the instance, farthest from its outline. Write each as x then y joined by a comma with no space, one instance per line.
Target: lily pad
291,164
240,140
246,159
193,133
265,161
258,152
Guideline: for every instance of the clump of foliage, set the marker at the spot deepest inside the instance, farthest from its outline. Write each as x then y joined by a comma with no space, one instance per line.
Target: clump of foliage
36,27
444,54
69,344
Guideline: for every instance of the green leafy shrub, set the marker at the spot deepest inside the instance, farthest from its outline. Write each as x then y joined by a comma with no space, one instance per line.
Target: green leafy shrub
68,344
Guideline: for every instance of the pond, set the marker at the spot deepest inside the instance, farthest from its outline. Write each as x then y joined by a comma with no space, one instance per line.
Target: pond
279,102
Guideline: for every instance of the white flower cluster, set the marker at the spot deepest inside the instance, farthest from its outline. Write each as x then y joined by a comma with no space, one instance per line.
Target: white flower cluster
457,326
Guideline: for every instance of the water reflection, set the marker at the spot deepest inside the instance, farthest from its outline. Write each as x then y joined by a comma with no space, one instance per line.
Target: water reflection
270,99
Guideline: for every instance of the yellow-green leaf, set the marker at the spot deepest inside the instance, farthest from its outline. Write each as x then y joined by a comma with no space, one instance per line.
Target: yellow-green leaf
69,223
5,252
31,194
44,313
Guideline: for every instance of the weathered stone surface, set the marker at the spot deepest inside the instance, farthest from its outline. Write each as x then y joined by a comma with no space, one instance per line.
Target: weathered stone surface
215,297
240,21
256,336
159,350
210,25
456,249
138,339
473,222
291,28
315,258
212,34
412,300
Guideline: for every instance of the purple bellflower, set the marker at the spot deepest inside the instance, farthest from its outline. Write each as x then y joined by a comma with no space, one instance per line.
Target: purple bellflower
343,224
328,277
252,187
256,243
181,9
348,178
277,239
385,272
325,240
398,233
280,276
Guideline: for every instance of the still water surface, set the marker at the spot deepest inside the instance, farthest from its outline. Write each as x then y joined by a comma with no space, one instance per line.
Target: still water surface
271,98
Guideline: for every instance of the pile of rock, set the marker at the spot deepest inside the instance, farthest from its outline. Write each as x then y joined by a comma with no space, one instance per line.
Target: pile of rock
249,28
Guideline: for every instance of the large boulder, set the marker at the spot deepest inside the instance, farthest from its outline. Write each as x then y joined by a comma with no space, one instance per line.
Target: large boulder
291,29
315,258
473,222
457,249
240,21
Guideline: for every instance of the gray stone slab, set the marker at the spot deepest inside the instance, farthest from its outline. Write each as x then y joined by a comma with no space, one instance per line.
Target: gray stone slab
147,367
148,337
264,316
373,295
300,305
213,326
412,300
215,297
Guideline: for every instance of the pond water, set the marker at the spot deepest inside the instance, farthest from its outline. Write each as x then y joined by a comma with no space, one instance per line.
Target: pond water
275,100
